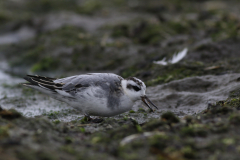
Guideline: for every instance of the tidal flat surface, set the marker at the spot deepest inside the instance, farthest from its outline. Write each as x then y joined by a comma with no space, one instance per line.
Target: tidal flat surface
198,97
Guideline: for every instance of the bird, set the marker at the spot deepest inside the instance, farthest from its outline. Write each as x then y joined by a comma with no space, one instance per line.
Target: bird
93,94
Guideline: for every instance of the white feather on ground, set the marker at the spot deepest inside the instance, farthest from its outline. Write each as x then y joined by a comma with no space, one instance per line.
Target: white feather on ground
175,59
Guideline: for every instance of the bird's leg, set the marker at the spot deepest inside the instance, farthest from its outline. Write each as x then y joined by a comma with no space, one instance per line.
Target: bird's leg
87,117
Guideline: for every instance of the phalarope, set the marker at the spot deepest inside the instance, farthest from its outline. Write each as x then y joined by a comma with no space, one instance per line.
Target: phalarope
94,94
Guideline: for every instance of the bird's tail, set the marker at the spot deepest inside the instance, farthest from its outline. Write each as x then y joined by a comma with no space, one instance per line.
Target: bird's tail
42,83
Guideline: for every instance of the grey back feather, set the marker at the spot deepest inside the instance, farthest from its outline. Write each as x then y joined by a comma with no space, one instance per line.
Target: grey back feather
109,83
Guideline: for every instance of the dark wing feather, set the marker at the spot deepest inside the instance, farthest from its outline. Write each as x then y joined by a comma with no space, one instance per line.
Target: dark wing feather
43,82
42,77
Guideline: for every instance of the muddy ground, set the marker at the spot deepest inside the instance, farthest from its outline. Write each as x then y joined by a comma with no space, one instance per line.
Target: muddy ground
198,97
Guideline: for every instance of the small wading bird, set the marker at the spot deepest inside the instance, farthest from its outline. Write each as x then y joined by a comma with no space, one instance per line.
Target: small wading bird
94,94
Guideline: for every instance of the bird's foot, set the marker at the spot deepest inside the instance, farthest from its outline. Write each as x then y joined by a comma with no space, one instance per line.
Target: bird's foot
87,118
97,120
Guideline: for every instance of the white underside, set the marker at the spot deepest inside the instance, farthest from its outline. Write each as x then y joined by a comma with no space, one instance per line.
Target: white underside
88,104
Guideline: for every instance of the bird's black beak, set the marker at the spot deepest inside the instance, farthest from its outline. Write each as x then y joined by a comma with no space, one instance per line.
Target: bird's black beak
146,100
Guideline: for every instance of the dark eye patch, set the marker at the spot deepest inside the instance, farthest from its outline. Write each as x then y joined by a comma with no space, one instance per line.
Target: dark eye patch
136,88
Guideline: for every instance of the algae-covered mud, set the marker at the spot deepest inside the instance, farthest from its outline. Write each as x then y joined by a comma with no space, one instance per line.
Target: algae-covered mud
197,97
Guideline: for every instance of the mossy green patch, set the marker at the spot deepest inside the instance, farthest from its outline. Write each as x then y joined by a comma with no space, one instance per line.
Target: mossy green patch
89,7
226,28
28,91
170,117
45,64
4,17
153,124
82,129
69,149
188,152
191,131
141,110
54,115
56,121
68,140
235,102
96,139
84,120
131,111
148,32
235,93
235,119
155,138
121,30
163,74
23,154
220,128
159,141
4,131
72,47
228,141
10,114
50,5
142,32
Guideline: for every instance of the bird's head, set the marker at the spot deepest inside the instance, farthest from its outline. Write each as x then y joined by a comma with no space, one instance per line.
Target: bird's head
135,90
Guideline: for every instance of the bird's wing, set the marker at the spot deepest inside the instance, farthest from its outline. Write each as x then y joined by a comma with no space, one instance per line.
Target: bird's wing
107,81
70,86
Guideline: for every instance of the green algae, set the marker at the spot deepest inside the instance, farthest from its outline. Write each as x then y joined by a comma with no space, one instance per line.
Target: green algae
4,131
56,121
211,134
234,119
191,131
188,152
45,64
164,74
28,91
169,117
45,6
131,111
179,139
90,7
235,93
4,17
54,115
81,47
10,114
146,32
86,48
141,110
68,149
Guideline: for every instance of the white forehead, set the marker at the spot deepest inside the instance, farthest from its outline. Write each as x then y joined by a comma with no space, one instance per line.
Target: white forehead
137,82
132,83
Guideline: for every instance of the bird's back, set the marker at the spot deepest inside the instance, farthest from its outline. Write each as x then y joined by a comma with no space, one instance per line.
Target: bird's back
107,81
96,92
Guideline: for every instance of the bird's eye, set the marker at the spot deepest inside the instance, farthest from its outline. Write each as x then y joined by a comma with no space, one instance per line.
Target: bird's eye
136,88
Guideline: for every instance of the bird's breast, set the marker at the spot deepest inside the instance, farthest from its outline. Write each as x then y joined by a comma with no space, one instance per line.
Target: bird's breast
116,106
